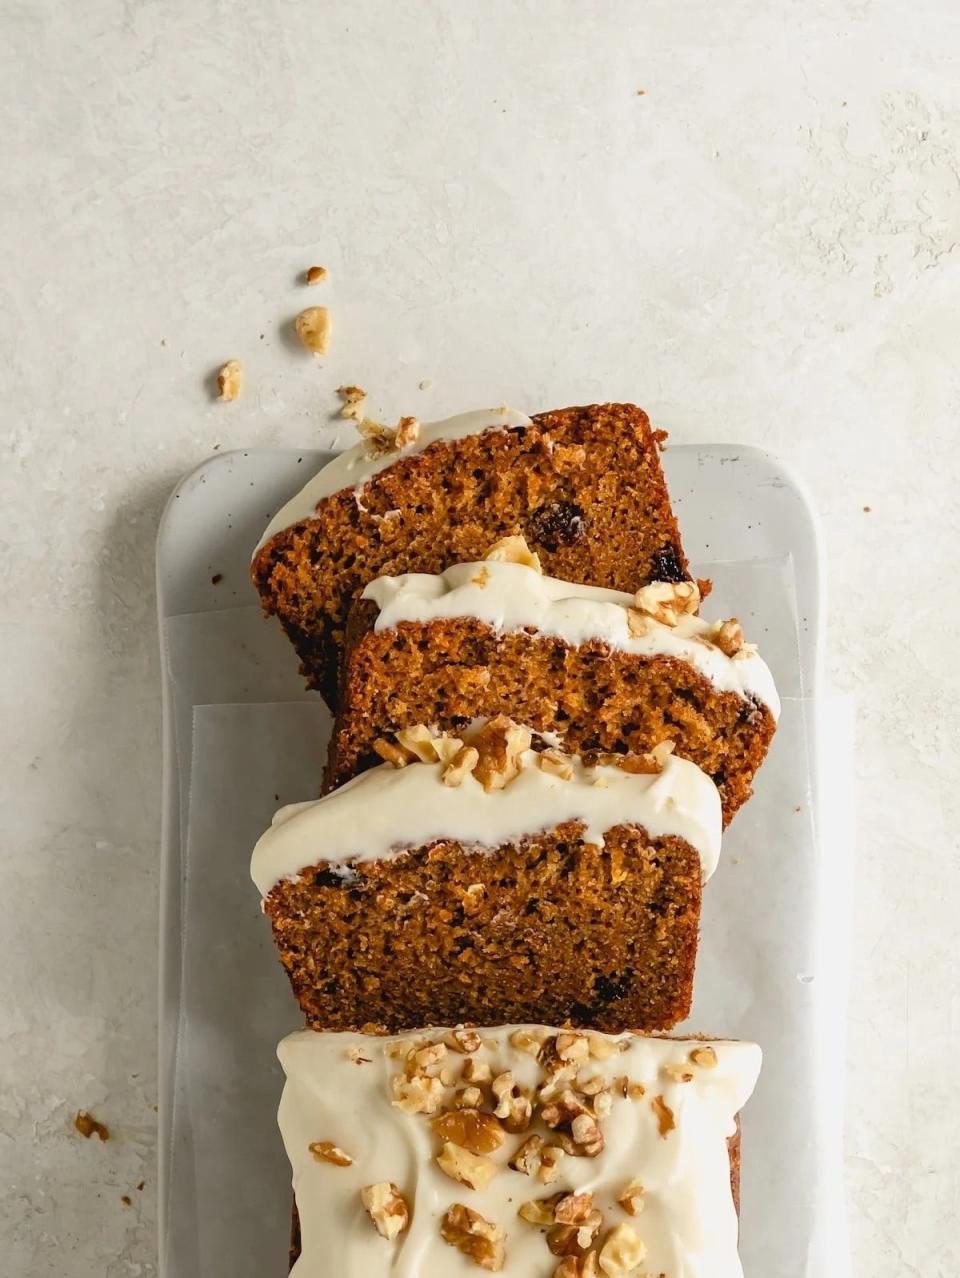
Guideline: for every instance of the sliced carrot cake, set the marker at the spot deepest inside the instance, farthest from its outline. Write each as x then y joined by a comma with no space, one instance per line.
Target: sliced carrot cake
519,1149
494,883
592,669
583,485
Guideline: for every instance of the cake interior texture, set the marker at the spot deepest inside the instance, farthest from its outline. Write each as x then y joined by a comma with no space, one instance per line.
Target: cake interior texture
584,486
593,698
548,928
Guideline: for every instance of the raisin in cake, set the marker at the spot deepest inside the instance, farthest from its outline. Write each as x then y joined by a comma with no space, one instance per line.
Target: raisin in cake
497,883
596,669
518,1149
583,485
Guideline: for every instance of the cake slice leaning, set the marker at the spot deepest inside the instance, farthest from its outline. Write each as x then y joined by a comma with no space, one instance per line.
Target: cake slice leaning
517,1149
497,883
594,670
583,485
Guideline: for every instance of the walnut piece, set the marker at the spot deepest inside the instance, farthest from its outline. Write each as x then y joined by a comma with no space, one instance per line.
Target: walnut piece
353,401
314,274
464,1040
408,432
419,1095
89,1126
622,1251
578,1266
728,637
556,763
393,754
665,1118
514,550
324,1151
527,1157
530,1041
679,1073
468,1098
418,740
471,1170
476,1071
705,1057
500,744
230,380
513,1105
386,1207
478,1238
630,1198
431,1054
539,1211
638,623
313,329
668,601
550,1160
471,1129
460,766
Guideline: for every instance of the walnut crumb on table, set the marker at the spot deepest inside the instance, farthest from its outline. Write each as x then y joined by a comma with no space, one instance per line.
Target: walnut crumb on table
230,381
313,329
314,274
88,1126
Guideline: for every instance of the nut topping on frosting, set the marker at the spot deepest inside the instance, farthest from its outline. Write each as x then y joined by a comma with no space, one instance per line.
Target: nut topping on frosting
500,744
472,1170
514,550
622,1251
668,601
471,1129
461,765
478,1238
631,1198
324,1151
386,1207
665,1119
705,1057
407,433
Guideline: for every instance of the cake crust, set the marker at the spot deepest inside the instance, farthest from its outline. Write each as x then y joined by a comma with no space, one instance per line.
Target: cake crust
583,485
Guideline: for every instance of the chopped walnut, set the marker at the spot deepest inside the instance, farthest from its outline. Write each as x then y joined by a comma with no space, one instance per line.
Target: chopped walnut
478,1238
432,1054
577,1224
446,748
556,764
356,1055
408,432
230,380
514,550
468,1098
353,401
468,1169
630,1198
728,637
578,1266
89,1126
314,274
636,1091
513,1106
464,1040
476,1071
418,740
550,1160
528,1040
665,1119
481,578
460,766
386,1207
313,329
564,1109
602,1048
472,899
705,1057
579,1131
417,1095
324,1151
500,744
638,623
470,1129
572,1047
539,1211
679,1073
668,601
587,1135
603,1104
622,1251
395,755
380,439
527,1157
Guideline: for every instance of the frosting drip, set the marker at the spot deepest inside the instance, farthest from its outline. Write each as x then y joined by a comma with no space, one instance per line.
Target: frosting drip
512,596
338,1089
355,466
385,811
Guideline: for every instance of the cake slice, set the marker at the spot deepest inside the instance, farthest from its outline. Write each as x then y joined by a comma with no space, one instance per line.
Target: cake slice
595,669
496,883
583,485
517,1149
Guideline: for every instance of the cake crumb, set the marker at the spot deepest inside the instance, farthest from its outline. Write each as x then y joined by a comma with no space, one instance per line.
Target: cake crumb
87,1126
216,579
867,510
230,381
140,1185
126,1200
641,93
426,383
315,274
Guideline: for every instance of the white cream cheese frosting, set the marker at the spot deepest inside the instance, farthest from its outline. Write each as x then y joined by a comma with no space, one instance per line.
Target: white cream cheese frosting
512,596
669,1133
387,810
355,466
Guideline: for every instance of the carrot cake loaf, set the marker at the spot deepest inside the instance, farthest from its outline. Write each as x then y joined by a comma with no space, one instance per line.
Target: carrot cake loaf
494,883
583,485
595,669
520,1150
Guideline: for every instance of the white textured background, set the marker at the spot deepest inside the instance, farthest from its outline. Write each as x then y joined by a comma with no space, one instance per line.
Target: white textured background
765,248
